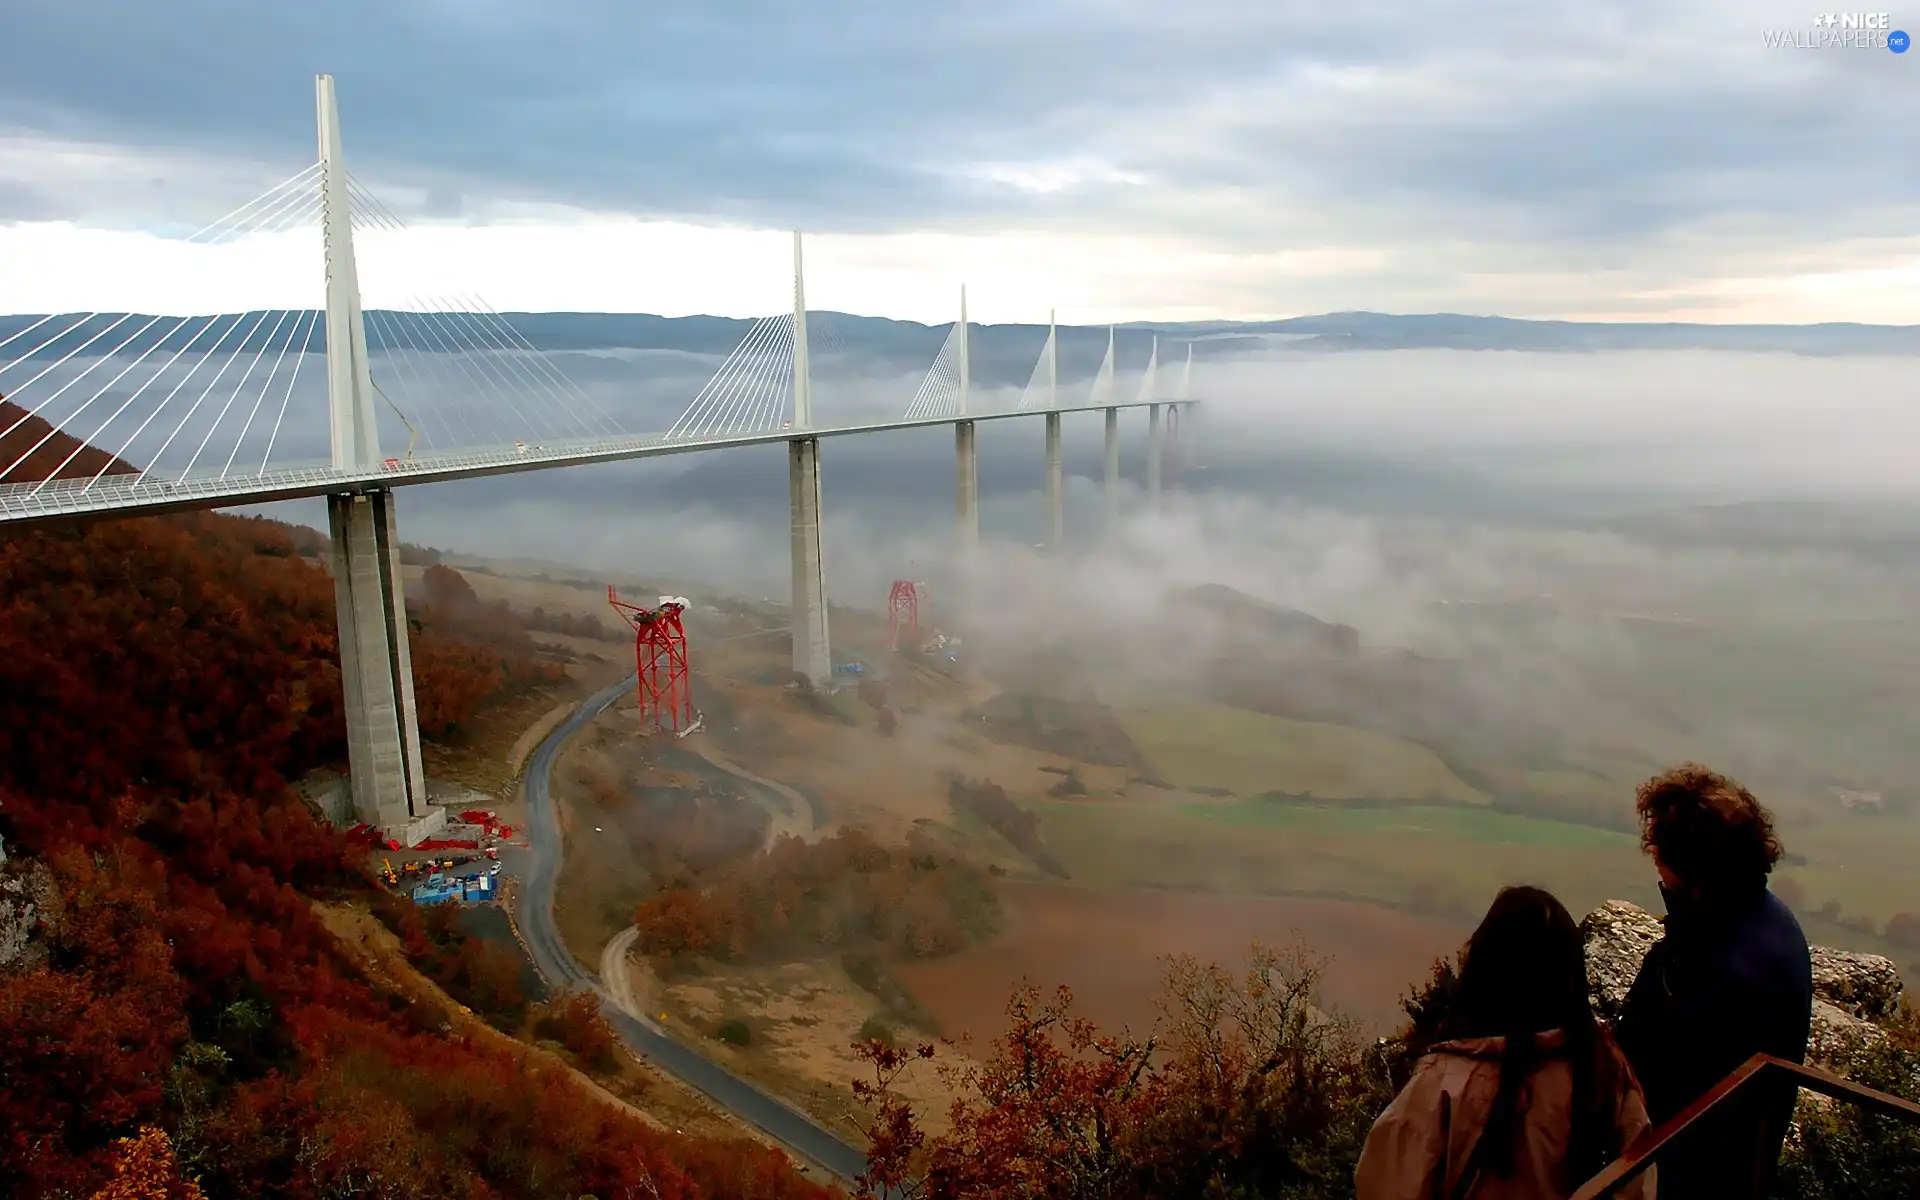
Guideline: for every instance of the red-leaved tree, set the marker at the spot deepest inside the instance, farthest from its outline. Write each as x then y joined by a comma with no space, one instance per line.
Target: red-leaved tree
1244,1088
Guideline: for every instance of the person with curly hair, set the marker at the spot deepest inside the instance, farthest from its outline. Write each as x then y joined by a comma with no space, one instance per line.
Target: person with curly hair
1731,978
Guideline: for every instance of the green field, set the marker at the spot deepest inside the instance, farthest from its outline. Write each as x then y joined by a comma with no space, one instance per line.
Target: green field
1480,826
1447,860
1796,711
1196,744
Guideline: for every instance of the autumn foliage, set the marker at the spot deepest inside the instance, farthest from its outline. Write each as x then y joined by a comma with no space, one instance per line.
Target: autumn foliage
202,648
48,453
1020,826
573,1019
144,1169
843,891
160,681
1244,1088
481,974
466,653
567,624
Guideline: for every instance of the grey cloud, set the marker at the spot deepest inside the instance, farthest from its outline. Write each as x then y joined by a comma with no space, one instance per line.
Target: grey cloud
22,201
1499,123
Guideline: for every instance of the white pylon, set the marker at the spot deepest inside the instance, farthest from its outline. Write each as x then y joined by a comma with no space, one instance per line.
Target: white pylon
1053,362
966,377
1149,380
356,436
1103,382
802,372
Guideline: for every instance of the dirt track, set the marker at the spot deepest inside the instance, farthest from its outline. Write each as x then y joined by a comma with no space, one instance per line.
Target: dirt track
617,972
796,821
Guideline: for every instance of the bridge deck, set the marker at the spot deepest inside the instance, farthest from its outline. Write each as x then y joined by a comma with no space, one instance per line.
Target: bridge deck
115,495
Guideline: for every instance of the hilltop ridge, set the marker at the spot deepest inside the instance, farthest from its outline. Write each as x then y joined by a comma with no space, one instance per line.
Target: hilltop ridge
50,453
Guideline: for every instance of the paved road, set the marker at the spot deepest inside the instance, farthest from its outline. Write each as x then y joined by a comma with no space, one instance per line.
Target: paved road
540,869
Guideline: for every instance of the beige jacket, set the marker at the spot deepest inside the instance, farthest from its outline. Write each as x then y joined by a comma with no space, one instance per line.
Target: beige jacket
1419,1147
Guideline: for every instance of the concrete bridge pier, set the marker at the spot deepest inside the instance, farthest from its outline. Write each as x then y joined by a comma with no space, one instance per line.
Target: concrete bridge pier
812,654
1156,452
1056,500
966,491
389,779
1112,482
376,670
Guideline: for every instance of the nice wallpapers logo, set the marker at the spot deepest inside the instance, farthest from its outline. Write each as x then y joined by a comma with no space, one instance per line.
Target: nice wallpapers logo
1842,31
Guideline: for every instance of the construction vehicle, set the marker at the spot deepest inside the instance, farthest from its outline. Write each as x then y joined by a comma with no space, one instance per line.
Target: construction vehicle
387,873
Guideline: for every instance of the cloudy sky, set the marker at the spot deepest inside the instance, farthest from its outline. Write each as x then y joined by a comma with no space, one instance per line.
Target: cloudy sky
1641,159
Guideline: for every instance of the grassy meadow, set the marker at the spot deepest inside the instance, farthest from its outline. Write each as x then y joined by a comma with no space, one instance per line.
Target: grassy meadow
1798,712
1197,744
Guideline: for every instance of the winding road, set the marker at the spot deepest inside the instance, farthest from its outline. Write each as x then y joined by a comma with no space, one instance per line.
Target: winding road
785,1124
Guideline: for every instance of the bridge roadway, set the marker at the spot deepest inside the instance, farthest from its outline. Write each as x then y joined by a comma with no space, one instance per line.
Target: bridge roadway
114,495
539,872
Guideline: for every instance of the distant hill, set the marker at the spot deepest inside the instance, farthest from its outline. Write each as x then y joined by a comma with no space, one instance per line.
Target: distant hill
1241,615
49,457
1453,331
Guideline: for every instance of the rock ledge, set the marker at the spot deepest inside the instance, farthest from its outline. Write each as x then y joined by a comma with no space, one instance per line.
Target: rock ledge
1850,990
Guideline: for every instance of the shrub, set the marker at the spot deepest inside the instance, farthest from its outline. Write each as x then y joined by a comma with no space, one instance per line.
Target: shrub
1246,1088
844,890
1841,1151
574,1020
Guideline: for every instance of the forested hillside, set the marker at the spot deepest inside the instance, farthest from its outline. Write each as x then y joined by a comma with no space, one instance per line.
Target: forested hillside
161,966
46,453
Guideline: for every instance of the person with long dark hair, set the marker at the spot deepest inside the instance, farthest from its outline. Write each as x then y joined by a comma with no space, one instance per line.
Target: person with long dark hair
1522,1095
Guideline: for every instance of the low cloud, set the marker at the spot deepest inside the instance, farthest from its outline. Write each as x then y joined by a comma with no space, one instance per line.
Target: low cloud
1403,494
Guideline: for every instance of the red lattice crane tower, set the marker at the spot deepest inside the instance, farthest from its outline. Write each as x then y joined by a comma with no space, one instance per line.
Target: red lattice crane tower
903,614
660,655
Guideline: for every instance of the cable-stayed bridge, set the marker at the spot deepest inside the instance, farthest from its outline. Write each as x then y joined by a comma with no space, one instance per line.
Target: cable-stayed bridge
197,405
167,413
164,413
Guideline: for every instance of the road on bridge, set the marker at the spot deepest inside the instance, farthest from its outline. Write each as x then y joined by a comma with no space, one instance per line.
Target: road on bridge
541,868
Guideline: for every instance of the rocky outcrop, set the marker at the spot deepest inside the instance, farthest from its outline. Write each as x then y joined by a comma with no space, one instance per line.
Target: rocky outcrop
29,905
1865,985
1618,936
1850,990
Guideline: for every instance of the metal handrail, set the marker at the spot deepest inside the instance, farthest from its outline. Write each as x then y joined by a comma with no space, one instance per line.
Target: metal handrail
1653,1144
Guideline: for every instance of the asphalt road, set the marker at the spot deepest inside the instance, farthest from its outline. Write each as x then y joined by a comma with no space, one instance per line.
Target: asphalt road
540,868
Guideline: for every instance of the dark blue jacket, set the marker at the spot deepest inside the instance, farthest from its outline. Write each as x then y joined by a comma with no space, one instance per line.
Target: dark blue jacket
1726,982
